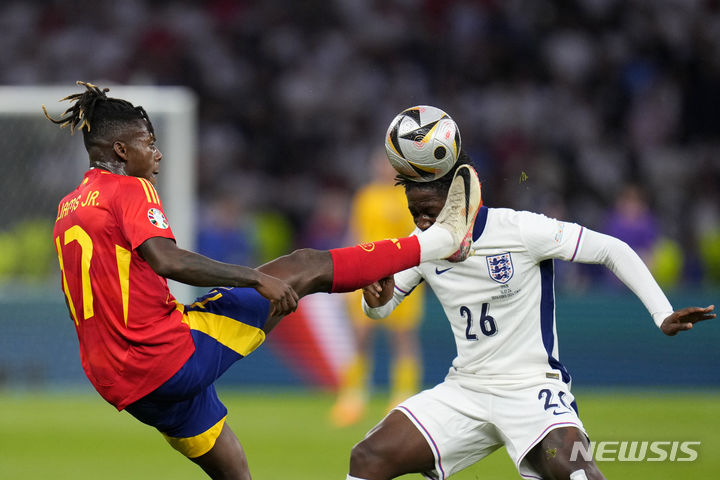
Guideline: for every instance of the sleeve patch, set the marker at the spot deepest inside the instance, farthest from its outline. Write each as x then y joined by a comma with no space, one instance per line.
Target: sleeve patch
559,232
157,218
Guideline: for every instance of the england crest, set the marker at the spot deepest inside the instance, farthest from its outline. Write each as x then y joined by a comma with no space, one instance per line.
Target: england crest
500,267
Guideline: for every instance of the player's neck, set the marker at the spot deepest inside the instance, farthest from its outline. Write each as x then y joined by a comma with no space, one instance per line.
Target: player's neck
112,167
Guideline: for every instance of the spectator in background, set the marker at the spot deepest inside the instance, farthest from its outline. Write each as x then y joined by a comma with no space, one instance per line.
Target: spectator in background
223,233
379,210
585,84
325,227
632,221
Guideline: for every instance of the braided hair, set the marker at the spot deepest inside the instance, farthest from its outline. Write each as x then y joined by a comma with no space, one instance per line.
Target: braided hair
97,115
440,185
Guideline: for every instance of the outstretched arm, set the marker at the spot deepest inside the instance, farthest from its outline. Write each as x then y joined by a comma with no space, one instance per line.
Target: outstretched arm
169,261
630,269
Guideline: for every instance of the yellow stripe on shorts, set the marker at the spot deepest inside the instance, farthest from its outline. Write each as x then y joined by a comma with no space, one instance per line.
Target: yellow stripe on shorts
193,447
237,336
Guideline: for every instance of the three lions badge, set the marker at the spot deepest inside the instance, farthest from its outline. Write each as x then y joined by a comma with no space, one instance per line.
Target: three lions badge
500,267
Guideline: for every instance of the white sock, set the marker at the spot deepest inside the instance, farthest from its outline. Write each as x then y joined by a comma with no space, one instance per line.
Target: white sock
578,475
350,477
435,244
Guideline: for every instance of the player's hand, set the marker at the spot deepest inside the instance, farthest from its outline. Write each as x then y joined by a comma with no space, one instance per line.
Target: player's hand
379,293
685,319
283,299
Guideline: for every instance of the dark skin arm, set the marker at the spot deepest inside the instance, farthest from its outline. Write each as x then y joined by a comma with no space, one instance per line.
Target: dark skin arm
169,261
685,319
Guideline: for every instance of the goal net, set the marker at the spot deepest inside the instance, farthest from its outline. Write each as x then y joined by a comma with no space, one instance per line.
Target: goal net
41,163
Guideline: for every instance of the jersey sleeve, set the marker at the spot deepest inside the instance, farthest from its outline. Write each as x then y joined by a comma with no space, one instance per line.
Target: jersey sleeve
405,283
629,268
140,212
547,237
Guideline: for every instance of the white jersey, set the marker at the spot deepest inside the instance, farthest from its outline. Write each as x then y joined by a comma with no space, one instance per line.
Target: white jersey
501,301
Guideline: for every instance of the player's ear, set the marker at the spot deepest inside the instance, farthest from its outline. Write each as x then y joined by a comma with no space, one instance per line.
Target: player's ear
120,150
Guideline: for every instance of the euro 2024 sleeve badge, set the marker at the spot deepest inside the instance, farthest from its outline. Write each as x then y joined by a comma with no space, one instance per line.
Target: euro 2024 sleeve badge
157,218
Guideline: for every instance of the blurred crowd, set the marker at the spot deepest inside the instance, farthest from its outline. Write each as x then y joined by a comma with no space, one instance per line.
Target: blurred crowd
603,112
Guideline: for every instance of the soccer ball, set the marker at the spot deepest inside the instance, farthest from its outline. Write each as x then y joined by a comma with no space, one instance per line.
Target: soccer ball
422,143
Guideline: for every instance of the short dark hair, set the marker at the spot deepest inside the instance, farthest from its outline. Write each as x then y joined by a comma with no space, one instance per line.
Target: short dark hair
97,115
440,185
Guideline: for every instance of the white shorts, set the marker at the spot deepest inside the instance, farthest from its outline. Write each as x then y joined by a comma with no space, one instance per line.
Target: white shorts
463,426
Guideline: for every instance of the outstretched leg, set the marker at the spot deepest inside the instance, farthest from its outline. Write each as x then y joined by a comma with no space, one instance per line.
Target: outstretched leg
306,270
344,269
341,270
347,269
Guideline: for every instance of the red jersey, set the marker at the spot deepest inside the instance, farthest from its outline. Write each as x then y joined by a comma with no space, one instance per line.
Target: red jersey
132,337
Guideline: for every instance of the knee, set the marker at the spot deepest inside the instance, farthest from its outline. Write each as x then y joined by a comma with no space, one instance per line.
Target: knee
361,454
365,461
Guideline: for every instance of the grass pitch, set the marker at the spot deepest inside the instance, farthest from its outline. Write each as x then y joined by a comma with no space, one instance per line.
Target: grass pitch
286,434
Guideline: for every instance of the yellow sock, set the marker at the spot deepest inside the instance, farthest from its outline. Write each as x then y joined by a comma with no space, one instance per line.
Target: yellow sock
352,398
405,379
355,376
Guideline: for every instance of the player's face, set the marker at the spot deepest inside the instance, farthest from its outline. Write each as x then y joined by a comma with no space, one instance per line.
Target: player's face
425,205
143,156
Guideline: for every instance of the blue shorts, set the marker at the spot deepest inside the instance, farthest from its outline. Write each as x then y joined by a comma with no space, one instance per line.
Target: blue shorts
226,325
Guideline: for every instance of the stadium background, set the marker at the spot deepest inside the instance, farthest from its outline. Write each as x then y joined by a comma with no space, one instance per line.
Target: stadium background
587,110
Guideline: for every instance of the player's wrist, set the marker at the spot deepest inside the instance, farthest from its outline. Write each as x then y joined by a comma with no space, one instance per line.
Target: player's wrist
659,317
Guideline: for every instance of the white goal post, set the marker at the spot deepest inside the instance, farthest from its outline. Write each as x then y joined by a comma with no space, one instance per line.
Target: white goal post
173,111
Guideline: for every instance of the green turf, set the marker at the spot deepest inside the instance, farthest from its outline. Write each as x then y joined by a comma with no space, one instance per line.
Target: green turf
286,435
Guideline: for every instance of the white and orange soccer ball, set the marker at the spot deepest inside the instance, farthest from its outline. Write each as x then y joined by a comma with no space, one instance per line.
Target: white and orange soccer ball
422,143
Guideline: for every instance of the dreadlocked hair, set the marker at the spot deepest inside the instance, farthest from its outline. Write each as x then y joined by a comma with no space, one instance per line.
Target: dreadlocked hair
440,185
97,115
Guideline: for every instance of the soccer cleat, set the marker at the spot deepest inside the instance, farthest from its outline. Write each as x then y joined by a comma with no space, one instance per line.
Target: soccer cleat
349,409
461,207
